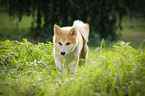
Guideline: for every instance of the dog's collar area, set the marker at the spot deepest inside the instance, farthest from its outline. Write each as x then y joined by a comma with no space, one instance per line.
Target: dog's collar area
74,47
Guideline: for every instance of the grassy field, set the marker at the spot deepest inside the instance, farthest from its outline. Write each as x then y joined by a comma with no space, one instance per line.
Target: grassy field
28,69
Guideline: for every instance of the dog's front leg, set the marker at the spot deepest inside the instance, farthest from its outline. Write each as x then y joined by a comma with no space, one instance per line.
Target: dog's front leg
58,62
73,65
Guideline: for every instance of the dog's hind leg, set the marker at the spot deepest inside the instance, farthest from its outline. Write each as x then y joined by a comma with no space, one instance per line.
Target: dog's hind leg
84,54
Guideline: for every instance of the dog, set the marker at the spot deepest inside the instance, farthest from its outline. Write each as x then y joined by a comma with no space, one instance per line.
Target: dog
70,43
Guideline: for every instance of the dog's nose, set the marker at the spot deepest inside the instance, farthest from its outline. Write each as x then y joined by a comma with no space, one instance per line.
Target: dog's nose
62,53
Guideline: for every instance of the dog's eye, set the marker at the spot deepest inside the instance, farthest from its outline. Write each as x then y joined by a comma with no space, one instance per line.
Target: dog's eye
67,43
60,43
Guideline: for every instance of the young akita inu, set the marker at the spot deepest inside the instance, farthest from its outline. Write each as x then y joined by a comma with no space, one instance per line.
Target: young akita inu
70,43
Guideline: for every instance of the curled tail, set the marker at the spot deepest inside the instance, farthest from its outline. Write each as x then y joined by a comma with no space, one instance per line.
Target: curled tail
83,28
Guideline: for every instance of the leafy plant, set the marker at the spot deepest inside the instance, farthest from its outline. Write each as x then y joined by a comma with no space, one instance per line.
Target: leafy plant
27,69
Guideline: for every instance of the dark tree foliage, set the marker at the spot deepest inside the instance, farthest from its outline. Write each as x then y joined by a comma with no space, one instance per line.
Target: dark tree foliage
100,14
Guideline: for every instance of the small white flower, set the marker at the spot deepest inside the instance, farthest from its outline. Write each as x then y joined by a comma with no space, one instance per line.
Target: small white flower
123,42
39,79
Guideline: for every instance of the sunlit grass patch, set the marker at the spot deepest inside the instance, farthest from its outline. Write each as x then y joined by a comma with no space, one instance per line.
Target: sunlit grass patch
133,30
11,28
28,69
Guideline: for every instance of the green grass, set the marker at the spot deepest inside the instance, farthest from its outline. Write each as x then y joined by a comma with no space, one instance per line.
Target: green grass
28,70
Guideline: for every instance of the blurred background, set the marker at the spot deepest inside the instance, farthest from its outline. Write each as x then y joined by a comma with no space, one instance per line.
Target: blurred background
112,20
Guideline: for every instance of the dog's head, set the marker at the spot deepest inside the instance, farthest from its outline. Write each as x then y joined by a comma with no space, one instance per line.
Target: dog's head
64,39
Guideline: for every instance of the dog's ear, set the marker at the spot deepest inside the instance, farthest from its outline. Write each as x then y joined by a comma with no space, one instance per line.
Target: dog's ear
57,29
73,32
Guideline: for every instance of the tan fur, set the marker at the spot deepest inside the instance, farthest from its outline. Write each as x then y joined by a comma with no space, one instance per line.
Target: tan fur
70,43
